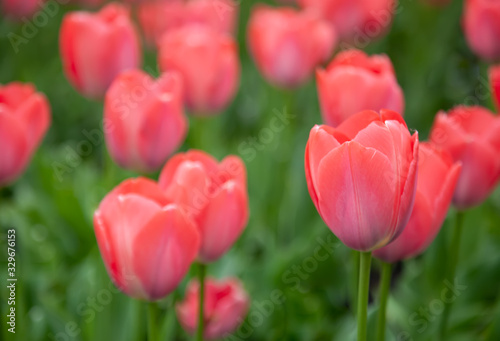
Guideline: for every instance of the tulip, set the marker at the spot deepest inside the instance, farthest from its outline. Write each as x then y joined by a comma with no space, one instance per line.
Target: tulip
437,176
24,120
147,242
20,8
226,304
354,82
208,62
357,21
96,47
472,136
144,119
213,194
287,44
481,24
157,18
494,75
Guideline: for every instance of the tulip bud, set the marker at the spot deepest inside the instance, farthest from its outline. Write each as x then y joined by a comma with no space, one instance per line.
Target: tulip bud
24,120
354,82
480,23
226,304
144,119
96,47
472,136
213,194
437,177
147,243
362,177
208,62
494,75
287,44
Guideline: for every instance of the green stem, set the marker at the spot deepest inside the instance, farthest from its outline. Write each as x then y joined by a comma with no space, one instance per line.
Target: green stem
454,252
385,284
201,279
363,289
152,321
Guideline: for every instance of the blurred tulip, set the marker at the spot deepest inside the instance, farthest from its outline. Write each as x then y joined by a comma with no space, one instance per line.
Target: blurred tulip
213,194
437,177
226,305
472,136
21,8
481,23
157,18
208,61
96,47
356,21
362,177
24,120
353,82
287,44
144,119
146,242
494,75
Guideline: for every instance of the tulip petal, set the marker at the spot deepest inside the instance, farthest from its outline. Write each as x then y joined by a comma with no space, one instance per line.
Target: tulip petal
357,122
15,152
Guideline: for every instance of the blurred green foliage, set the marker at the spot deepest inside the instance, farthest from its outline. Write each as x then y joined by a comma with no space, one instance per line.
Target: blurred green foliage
62,283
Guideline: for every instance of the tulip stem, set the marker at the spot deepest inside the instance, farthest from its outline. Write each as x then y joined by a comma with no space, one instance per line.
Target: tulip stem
201,279
385,284
454,251
152,321
363,291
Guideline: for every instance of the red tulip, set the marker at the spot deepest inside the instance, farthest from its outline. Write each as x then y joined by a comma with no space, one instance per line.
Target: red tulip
355,19
472,136
208,62
494,75
213,194
437,177
144,119
156,18
96,47
354,82
481,23
226,304
21,8
362,177
24,120
147,243
287,44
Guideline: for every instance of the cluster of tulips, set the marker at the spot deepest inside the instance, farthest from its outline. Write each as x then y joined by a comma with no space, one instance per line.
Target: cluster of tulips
376,186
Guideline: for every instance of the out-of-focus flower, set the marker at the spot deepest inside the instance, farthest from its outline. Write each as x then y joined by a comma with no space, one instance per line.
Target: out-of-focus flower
209,64
96,47
24,120
353,82
157,18
472,136
437,177
481,24
147,243
20,8
213,194
288,44
225,305
362,177
494,75
144,119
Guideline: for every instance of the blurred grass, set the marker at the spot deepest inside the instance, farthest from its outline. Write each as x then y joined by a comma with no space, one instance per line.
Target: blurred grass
62,278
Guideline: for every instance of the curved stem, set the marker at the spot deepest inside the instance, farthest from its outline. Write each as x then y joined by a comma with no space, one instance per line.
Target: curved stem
385,284
363,288
454,252
201,279
152,321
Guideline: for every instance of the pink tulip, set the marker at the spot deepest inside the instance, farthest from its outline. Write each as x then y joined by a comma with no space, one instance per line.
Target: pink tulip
494,75
287,44
208,62
437,177
24,120
472,136
157,18
144,119
354,82
147,243
226,304
358,21
362,177
481,23
96,47
21,8
213,194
